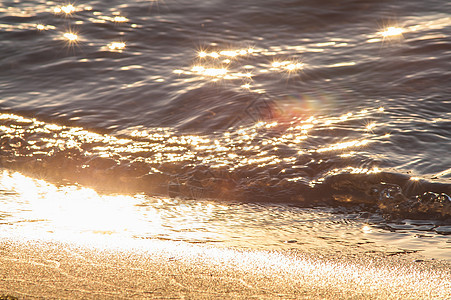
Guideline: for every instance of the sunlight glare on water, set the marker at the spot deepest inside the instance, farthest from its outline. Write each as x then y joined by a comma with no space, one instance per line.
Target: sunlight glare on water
70,36
40,210
164,114
392,31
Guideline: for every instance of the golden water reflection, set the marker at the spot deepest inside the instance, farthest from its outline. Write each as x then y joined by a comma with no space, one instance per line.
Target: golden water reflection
67,9
120,19
123,162
417,27
237,64
165,145
230,64
70,36
35,209
70,210
392,31
116,46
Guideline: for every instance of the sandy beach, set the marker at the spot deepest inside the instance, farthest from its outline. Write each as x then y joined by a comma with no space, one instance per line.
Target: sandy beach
173,270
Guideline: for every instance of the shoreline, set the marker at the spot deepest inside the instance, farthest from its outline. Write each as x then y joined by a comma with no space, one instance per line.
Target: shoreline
165,269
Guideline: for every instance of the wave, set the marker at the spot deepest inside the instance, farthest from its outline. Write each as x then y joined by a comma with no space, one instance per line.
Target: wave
306,162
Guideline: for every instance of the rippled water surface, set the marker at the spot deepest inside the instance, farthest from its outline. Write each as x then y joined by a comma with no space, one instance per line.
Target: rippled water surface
277,124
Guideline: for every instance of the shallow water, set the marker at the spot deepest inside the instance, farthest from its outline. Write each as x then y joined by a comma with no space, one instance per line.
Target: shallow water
39,210
292,118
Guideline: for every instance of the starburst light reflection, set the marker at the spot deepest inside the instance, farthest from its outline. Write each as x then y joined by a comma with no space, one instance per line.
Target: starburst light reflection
71,37
392,31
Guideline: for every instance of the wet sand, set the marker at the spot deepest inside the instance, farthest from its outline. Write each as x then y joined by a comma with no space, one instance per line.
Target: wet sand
165,269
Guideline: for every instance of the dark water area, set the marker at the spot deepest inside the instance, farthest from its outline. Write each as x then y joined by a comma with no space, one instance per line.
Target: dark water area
341,104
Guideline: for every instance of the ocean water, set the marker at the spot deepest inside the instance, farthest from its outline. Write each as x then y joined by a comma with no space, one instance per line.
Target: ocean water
305,125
